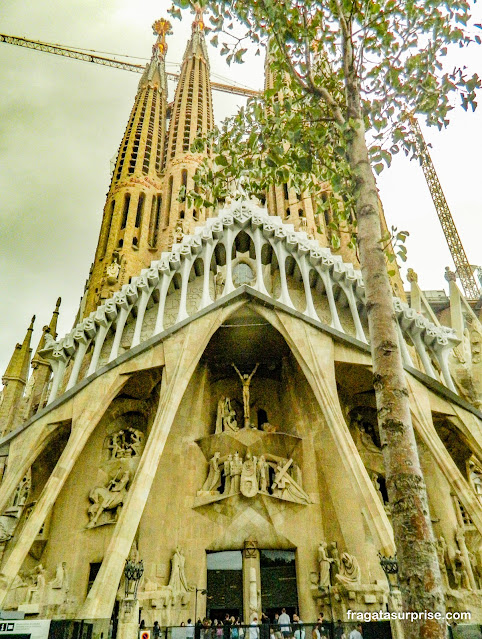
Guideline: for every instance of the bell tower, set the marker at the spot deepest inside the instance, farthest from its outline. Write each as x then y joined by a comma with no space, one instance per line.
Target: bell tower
129,234
191,117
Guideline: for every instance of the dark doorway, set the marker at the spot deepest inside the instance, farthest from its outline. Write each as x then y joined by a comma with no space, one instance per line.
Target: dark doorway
224,584
278,582
377,630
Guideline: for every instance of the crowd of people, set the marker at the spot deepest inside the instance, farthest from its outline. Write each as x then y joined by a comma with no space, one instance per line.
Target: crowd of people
280,627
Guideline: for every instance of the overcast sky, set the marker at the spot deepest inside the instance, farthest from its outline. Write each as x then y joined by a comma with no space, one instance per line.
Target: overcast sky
61,122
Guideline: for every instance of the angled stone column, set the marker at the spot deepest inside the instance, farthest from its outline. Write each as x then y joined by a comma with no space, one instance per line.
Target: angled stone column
182,353
422,415
86,414
314,352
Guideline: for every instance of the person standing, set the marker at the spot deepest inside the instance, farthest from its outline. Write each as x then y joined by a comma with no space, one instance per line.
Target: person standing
253,632
356,633
156,630
284,623
339,632
189,629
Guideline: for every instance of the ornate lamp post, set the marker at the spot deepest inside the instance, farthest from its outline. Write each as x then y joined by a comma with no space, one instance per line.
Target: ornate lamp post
390,567
133,572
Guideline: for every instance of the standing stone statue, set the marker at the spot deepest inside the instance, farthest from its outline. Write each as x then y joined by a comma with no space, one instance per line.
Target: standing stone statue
226,416
236,468
246,381
350,573
263,474
177,580
213,480
227,475
441,553
324,563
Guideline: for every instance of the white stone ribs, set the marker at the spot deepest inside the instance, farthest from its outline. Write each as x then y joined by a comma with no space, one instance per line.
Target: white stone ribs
316,265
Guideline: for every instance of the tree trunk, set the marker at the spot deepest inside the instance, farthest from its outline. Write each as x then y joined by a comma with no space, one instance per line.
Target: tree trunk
420,578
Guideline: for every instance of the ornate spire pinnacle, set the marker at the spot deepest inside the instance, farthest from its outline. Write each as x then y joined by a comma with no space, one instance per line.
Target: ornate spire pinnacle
198,24
52,330
17,368
162,28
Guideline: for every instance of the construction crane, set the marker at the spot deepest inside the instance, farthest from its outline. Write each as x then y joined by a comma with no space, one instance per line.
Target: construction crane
462,266
75,54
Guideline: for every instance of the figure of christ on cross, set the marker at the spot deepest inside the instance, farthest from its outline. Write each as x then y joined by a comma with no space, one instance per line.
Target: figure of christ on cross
246,381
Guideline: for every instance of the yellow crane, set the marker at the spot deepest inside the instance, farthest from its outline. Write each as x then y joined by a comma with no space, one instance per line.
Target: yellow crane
462,265
463,268
77,54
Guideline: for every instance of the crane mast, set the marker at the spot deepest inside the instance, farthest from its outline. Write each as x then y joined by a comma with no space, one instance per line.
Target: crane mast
66,52
462,266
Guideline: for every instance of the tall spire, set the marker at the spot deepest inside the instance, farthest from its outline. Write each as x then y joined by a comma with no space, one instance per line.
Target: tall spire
38,383
130,227
192,117
52,330
14,381
17,369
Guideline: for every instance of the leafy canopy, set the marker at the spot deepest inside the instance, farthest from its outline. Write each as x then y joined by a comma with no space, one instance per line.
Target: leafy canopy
334,66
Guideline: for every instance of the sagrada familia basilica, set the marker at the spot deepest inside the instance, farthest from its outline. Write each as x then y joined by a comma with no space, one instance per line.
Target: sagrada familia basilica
212,412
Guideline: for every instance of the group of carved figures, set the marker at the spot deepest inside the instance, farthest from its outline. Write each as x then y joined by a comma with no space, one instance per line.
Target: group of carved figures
336,570
33,588
125,443
252,476
460,568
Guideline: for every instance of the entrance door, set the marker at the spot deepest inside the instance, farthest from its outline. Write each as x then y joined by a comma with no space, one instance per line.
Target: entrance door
278,582
224,585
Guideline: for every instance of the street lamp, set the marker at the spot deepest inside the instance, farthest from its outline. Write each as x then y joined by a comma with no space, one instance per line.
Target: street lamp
203,591
389,566
133,572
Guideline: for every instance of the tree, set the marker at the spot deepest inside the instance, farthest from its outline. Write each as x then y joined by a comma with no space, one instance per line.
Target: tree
345,74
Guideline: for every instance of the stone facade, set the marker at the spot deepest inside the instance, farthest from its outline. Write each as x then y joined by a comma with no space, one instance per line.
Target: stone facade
216,404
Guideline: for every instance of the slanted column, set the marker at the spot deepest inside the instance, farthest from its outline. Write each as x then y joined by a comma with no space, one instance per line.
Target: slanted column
166,275
103,317
147,282
182,354
89,412
259,242
302,262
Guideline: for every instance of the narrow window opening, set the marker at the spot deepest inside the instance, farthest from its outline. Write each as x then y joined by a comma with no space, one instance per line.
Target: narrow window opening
286,193
140,209
125,211
105,239
169,201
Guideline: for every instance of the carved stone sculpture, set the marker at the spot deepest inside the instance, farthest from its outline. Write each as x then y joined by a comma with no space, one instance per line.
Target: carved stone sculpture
113,270
285,487
108,498
249,476
213,480
246,381
263,474
475,477
324,562
125,443
226,416
60,579
227,475
442,554
177,581
350,573
461,576
236,468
